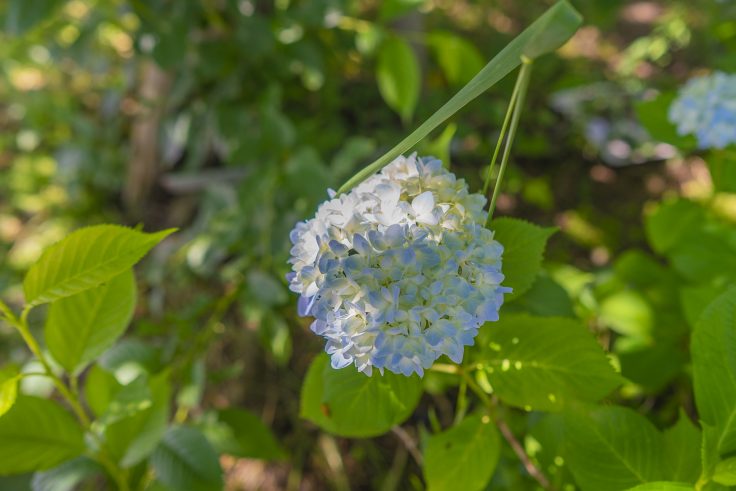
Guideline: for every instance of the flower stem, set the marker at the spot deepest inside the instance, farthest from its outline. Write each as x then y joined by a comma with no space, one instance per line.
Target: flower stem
516,105
504,128
70,395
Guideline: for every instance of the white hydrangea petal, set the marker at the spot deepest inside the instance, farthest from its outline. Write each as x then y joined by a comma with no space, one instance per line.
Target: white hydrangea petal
399,271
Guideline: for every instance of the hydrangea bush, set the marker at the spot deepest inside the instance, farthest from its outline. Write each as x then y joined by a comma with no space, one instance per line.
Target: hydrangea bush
706,107
400,270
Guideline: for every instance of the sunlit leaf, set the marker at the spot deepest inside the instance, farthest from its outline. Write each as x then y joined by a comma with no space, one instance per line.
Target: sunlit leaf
84,259
543,362
399,76
81,327
37,434
9,377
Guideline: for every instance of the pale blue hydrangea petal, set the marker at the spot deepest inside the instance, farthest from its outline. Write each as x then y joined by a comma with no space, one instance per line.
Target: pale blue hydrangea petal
706,107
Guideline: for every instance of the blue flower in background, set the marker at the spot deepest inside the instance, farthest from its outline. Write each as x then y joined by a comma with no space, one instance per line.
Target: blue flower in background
706,108
400,270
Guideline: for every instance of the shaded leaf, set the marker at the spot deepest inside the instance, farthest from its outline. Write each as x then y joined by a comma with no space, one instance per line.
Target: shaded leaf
67,476
348,403
613,448
185,460
713,348
523,248
242,434
462,457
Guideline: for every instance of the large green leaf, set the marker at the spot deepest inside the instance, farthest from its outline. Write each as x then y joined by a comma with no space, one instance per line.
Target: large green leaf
185,460
242,434
463,457
523,249
714,369
613,448
543,362
399,76
84,259
81,327
348,403
682,450
37,434
546,34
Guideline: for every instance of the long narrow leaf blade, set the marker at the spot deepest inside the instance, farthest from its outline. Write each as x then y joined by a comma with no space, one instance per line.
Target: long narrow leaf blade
547,33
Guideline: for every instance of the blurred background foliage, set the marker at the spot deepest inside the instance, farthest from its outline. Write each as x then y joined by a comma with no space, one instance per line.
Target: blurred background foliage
230,119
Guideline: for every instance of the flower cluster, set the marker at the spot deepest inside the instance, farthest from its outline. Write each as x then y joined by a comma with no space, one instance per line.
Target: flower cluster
706,107
400,270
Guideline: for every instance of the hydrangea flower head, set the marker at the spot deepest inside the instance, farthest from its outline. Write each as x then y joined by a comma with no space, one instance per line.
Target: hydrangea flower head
400,270
706,107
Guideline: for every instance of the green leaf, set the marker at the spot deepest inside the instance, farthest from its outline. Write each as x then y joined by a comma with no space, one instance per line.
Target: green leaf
67,476
546,34
348,403
132,439
242,434
546,297
460,60
670,222
462,457
682,450
84,259
100,386
399,76
663,486
544,362
713,351
612,448
722,170
523,248
185,460
37,434
725,472
9,377
81,327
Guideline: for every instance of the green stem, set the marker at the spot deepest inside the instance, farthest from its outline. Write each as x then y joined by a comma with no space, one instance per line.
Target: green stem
70,395
518,104
504,127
